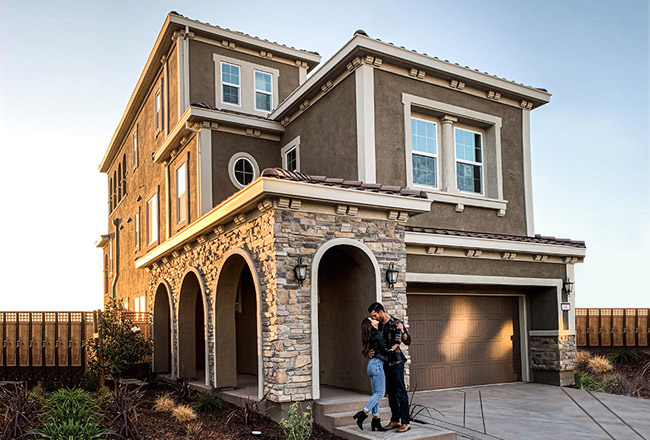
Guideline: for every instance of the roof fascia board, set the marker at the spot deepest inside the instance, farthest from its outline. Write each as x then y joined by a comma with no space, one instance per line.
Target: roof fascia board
212,115
246,39
363,42
152,62
423,238
270,186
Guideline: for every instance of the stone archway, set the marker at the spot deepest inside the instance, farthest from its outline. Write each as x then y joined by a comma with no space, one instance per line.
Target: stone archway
192,316
345,281
237,324
162,330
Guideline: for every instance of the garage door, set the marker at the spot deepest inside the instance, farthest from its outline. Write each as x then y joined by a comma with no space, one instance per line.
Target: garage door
460,340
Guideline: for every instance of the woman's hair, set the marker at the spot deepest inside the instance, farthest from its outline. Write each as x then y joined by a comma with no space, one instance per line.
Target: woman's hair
366,334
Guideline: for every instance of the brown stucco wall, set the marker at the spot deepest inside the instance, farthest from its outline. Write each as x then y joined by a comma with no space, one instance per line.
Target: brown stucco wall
328,134
186,154
391,156
224,145
173,87
202,74
477,266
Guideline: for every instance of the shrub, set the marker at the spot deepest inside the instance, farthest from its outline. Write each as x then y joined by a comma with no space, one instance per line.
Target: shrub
184,413
582,359
164,404
623,357
89,381
121,410
600,365
17,408
206,401
71,414
194,429
588,382
122,344
297,424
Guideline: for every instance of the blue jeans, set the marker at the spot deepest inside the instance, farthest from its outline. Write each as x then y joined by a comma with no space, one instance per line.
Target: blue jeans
378,381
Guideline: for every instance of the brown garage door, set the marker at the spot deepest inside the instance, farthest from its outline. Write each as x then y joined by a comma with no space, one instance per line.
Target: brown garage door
461,340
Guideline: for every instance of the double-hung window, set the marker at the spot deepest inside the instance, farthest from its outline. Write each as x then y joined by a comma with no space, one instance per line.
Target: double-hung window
135,147
181,193
425,152
230,84
158,109
469,161
291,158
152,219
263,91
136,230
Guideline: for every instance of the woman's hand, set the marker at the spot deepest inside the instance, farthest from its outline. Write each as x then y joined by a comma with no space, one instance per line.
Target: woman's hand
400,326
371,354
395,347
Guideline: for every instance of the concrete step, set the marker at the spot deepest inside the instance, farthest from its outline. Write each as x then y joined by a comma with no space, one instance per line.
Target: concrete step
417,432
335,420
344,404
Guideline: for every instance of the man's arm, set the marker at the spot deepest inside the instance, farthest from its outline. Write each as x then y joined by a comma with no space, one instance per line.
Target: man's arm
406,338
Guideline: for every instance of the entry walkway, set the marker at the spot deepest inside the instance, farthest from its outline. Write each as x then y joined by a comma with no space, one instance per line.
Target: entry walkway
534,411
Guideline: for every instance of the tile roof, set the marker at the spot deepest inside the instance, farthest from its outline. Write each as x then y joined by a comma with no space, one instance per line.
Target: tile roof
279,173
538,239
242,33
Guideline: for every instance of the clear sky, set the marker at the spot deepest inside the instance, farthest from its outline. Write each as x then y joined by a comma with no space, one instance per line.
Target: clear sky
67,70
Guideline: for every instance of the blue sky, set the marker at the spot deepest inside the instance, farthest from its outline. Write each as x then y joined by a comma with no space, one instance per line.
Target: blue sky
67,70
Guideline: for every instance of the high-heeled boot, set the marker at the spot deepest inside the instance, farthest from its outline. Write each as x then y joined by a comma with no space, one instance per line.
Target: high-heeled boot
360,417
376,424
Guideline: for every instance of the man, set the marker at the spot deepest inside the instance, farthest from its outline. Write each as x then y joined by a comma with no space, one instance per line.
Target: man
394,334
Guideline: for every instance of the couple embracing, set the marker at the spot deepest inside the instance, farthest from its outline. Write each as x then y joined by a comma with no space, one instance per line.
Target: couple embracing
381,336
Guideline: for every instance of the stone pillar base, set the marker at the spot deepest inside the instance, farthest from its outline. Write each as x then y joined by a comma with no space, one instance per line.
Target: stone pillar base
278,411
559,378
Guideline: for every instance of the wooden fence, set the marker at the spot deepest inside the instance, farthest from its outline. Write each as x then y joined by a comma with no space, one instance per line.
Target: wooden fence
50,345
612,327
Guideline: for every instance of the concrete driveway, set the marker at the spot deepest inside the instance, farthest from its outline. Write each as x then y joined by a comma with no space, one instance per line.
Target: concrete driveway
534,411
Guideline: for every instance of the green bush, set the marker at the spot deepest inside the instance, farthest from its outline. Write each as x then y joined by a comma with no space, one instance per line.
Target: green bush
89,381
122,344
588,382
71,414
206,401
623,357
297,424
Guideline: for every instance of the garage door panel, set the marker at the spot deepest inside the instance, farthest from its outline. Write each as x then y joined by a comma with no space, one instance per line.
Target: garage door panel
461,340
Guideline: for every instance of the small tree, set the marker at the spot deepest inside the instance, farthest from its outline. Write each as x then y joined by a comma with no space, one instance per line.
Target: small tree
298,424
120,345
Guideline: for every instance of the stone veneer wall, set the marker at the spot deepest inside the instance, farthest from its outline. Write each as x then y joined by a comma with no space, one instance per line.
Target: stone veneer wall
553,353
275,236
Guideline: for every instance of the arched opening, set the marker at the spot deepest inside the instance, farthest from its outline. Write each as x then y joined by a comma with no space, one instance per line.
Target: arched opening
347,285
191,329
162,332
236,320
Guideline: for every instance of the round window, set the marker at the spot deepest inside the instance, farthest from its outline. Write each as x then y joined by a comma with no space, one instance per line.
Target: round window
244,171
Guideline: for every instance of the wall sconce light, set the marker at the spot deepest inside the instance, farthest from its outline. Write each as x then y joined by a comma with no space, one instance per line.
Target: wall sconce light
568,286
301,271
391,275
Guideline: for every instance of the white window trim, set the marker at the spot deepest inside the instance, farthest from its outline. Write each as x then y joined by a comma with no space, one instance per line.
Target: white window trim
264,92
293,144
469,162
422,153
158,113
247,85
231,168
222,83
135,147
178,196
153,229
137,230
495,198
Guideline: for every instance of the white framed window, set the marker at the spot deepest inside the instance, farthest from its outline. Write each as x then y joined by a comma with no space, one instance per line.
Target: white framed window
152,219
424,152
136,230
263,91
243,169
158,110
126,304
230,84
291,155
139,305
181,193
135,148
469,160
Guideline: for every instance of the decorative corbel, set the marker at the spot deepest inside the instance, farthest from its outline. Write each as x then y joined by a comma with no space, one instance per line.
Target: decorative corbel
354,64
264,205
403,216
285,121
460,207
187,247
435,250
295,204
570,260
352,210
341,209
392,215
304,105
283,202
239,219
540,258
417,73
201,239
327,86
491,94
501,213
455,84
508,255
218,230
474,253
527,105
176,254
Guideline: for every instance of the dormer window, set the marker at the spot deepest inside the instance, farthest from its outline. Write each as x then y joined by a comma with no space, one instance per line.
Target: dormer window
230,84
263,91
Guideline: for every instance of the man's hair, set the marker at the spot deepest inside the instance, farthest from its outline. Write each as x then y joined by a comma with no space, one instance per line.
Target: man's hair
375,307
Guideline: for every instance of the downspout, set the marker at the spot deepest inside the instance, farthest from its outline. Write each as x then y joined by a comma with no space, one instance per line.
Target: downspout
116,252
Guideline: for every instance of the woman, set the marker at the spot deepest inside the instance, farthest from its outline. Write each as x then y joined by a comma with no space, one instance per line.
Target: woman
373,340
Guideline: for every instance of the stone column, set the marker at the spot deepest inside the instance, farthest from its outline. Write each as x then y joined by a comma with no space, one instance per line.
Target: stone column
447,155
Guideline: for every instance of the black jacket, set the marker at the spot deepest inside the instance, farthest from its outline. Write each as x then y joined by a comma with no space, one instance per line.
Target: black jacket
378,346
392,336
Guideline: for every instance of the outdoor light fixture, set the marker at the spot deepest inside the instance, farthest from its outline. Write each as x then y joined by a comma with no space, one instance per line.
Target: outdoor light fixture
391,275
568,286
301,271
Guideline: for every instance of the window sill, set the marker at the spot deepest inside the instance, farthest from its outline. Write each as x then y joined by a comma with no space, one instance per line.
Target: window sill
461,200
